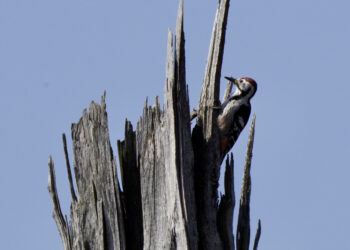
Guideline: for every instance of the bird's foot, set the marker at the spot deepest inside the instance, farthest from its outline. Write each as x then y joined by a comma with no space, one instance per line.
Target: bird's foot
193,114
216,107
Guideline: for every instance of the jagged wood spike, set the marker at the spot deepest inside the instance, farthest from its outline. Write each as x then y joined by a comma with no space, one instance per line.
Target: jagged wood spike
257,236
61,223
228,90
211,83
165,156
96,181
68,232
184,156
130,174
205,138
243,225
69,172
226,207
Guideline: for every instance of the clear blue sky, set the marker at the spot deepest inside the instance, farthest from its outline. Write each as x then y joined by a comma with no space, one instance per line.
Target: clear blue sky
57,56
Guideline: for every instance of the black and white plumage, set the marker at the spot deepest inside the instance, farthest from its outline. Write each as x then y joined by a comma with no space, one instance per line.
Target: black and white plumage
235,112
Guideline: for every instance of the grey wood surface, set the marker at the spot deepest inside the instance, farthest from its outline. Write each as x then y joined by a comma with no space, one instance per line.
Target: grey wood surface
243,224
205,137
166,159
96,216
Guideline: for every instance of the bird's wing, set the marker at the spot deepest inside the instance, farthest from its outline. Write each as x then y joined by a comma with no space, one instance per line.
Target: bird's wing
242,117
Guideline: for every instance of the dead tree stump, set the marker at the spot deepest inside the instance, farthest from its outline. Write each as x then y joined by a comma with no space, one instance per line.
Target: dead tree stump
169,175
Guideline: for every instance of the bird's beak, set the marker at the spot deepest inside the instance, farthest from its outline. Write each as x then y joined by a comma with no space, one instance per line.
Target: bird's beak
231,79
234,80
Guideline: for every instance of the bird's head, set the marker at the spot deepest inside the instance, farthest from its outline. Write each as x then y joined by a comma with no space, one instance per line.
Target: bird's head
245,86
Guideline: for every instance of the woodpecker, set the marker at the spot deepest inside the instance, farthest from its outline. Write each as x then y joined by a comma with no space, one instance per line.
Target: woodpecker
234,112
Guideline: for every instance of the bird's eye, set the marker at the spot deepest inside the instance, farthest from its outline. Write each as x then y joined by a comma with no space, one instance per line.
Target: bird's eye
241,81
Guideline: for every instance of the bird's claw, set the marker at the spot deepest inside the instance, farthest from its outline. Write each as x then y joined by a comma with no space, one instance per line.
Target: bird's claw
193,114
216,107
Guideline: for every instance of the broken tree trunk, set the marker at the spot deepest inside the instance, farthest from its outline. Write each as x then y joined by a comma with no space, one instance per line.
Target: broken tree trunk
205,137
169,176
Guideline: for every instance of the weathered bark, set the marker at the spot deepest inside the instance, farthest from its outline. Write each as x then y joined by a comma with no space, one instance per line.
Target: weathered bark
69,172
257,236
61,223
169,177
227,91
205,137
226,207
166,160
243,224
130,174
96,219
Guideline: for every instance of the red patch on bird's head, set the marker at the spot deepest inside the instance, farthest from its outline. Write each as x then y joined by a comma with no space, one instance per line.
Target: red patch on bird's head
250,80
